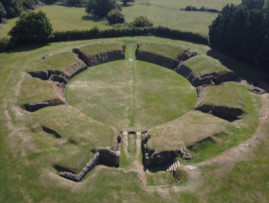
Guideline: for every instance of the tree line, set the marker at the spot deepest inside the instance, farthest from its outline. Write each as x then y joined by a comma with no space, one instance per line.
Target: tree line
243,32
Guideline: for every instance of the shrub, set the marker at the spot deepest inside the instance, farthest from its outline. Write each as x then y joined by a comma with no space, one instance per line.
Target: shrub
115,16
100,7
3,12
141,21
180,175
31,28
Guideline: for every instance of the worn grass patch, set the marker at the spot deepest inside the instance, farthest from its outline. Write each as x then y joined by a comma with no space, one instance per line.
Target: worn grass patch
202,65
59,61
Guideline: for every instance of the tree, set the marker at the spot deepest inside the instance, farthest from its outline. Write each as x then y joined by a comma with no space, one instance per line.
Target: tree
115,16
31,28
141,21
3,12
100,7
125,2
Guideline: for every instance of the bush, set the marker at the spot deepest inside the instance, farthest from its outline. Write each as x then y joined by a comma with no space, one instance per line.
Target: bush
115,17
141,21
180,175
3,12
31,28
100,7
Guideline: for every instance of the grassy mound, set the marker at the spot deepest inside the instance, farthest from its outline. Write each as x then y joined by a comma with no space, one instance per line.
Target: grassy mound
73,134
187,130
97,48
60,62
165,50
125,94
230,94
203,65
35,90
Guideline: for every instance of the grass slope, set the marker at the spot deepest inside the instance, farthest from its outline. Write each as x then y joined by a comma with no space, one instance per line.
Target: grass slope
230,94
202,65
166,50
98,48
187,130
35,90
59,61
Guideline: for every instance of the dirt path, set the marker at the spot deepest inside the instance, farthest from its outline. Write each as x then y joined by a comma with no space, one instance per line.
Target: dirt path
241,151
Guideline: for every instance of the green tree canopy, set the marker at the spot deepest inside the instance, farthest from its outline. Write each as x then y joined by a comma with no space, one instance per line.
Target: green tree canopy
141,21
125,2
100,7
115,16
31,28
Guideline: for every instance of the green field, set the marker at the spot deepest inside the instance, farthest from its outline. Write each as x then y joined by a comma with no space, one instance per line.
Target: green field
161,12
133,95
124,94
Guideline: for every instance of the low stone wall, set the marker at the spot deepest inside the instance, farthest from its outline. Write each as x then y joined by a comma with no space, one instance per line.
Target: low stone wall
229,114
101,57
207,79
42,104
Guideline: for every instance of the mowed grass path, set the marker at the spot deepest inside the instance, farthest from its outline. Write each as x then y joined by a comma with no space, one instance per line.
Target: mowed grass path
162,12
130,94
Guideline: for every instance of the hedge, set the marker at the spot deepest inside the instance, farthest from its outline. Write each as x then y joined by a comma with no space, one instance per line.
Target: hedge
95,33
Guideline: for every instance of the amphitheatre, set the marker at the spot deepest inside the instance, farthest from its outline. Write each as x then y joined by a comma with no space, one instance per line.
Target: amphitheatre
96,117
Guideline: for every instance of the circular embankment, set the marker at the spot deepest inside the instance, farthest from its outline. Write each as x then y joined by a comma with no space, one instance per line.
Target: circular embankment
107,86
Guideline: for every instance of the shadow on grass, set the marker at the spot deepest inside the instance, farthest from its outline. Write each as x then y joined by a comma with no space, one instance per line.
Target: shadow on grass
91,18
27,47
253,75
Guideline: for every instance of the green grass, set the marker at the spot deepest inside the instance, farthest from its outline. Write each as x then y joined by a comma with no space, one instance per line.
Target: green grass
27,153
98,48
168,51
161,12
202,65
79,135
160,178
230,94
126,96
35,90
192,127
59,61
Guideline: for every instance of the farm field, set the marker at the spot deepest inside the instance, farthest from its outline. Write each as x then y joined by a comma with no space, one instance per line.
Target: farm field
123,95
163,13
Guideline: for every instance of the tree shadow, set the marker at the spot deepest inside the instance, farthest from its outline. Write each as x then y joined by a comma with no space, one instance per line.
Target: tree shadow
253,75
91,18
26,47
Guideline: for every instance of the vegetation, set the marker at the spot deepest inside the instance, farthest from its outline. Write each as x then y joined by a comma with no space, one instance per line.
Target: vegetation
28,155
203,9
98,48
221,95
169,51
202,65
132,87
125,2
141,21
183,131
59,61
115,16
100,7
35,28
242,33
